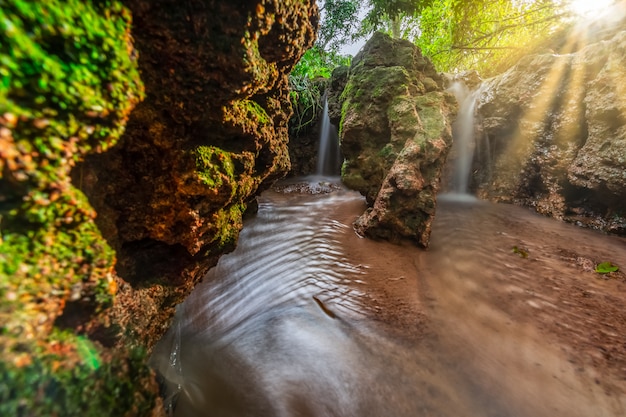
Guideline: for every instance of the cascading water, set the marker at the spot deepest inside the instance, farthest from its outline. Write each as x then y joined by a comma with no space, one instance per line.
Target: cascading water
303,318
463,133
328,155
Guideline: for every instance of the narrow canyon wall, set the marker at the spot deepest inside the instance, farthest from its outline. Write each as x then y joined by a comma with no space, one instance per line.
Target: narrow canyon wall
210,135
395,136
112,208
552,135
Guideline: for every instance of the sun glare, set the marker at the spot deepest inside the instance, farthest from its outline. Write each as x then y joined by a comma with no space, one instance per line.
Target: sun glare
589,8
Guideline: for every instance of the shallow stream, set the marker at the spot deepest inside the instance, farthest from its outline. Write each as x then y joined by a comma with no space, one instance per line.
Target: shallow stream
305,318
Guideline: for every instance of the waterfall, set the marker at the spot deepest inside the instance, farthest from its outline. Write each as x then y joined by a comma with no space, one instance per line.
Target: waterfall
328,154
463,133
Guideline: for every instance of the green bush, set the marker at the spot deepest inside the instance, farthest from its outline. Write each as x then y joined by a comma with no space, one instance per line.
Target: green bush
307,82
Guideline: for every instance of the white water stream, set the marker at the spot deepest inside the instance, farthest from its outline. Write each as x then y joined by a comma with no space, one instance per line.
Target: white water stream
463,134
328,155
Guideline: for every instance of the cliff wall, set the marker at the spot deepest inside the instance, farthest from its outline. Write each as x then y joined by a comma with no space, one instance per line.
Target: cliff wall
552,135
112,208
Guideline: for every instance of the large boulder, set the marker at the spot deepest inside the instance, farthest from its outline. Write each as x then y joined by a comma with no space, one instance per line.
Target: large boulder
109,218
553,135
395,136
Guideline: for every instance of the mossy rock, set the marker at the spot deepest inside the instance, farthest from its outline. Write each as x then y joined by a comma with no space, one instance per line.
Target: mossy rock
68,375
68,81
395,136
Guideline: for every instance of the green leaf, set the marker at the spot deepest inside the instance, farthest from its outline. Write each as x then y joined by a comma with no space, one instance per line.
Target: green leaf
521,252
606,267
88,352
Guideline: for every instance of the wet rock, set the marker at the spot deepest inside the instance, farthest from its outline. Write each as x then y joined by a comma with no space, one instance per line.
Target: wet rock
553,135
210,136
395,136
108,218
69,81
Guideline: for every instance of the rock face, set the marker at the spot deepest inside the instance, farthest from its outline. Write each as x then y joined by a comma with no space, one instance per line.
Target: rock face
395,136
210,136
96,247
564,154
69,81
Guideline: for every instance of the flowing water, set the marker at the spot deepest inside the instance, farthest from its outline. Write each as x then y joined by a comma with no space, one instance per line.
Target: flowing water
329,155
502,317
305,318
463,134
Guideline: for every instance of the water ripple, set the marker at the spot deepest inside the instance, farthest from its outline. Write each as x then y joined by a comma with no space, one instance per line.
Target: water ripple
287,254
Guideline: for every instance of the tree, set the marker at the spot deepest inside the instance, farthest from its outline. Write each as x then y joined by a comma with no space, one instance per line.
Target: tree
344,21
340,22
459,35
392,12
486,35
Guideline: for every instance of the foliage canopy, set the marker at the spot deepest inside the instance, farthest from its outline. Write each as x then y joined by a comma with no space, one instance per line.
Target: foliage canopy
485,35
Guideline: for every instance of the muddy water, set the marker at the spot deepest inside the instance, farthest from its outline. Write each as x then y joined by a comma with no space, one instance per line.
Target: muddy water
307,319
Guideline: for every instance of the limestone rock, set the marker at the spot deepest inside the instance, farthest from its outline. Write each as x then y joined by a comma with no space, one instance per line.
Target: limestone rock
210,136
69,81
395,135
554,135
102,234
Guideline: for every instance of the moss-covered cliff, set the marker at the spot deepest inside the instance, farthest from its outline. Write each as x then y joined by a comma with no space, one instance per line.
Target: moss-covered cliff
103,232
69,80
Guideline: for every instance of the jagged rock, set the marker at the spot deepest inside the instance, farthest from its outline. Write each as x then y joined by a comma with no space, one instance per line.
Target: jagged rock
86,292
69,81
555,132
210,136
395,135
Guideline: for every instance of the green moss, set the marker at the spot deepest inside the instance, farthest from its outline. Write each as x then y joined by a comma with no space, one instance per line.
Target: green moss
433,121
214,166
228,222
380,83
70,376
54,248
376,85
67,73
402,113
388,152
252,111
68,81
